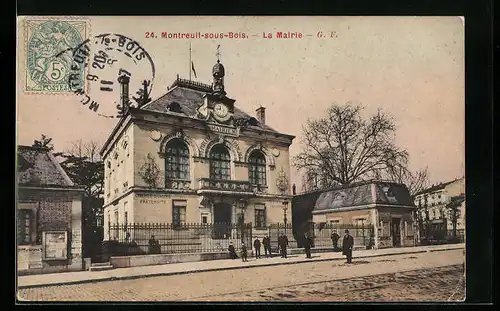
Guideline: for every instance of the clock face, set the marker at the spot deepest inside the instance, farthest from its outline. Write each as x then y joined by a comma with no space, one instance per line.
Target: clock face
220,110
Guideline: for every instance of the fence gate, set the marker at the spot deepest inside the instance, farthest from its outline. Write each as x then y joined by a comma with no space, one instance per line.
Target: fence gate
275,231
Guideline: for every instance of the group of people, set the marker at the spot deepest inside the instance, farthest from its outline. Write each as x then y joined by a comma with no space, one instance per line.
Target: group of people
347,245
266,242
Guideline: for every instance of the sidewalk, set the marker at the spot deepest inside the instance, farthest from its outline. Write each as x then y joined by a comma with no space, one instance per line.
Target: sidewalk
214,265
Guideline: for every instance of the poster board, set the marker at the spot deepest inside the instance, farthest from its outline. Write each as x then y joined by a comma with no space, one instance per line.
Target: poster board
55,245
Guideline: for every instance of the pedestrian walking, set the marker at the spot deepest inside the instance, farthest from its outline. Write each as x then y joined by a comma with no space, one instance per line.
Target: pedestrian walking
232,251
243,252
347,245
267,246
283,243
307,245
335,240
256,245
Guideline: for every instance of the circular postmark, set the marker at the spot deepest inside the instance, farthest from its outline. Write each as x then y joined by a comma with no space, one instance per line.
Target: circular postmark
44,69
110,72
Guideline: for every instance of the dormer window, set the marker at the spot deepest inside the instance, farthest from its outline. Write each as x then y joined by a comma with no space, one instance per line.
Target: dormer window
252,121
388,191
174,107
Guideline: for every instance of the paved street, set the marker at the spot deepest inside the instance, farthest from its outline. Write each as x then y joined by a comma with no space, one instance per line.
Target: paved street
424,276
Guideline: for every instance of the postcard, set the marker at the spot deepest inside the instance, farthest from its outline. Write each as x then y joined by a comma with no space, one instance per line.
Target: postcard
240,158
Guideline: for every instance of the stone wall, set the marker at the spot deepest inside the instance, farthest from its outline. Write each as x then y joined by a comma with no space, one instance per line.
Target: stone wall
56,210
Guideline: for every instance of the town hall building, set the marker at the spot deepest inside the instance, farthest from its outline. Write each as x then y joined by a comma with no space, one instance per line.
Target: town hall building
192,156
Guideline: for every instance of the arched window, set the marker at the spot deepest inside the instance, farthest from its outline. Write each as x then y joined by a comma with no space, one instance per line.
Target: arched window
257,168
176,160
220,163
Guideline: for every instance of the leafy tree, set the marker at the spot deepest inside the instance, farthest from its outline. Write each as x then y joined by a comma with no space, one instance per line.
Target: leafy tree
342,148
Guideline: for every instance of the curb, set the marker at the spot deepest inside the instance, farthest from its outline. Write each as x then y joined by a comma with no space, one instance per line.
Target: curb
132,277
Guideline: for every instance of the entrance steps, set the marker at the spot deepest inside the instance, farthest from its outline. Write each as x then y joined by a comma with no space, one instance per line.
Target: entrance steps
100,266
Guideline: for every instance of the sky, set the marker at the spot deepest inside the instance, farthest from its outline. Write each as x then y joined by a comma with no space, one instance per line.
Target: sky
410,67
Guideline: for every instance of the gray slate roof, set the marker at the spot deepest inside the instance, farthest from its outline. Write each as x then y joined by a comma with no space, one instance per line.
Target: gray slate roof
189,95
38,168
372,192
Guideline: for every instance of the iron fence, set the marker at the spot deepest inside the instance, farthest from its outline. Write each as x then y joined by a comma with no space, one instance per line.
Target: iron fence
322,234
167,238
441,236
275,230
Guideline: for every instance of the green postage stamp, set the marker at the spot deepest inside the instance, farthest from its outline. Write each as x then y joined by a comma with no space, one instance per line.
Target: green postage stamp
47,69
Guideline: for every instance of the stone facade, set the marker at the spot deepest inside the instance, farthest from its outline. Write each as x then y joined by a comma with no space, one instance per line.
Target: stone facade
384,205
47,201
431,203
187,116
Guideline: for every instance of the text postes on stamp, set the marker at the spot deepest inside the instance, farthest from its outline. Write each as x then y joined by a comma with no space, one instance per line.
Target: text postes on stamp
45,38
115,65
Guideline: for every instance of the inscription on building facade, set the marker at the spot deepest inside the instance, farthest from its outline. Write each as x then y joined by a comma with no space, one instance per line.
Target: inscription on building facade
152,201
223,130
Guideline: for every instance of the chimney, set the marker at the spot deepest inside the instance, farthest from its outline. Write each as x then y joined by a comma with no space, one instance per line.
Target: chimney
124,81
261,114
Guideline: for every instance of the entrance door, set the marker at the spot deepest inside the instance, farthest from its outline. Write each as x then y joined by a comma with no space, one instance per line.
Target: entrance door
222,220
396,232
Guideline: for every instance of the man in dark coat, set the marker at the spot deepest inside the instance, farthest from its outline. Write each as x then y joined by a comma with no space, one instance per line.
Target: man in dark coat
243,252
283,243
335,240
267,245
307,245
232,251
256,245
347,245
154,246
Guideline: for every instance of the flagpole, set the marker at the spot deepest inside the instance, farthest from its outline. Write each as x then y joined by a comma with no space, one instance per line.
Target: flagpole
189,60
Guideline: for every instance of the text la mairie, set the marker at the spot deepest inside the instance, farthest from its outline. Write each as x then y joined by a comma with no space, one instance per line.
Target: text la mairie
191,156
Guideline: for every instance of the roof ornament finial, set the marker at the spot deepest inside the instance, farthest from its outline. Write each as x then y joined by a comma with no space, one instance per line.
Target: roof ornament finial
218,73
218,53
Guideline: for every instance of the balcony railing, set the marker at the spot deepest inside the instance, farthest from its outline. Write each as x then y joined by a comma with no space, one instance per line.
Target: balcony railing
181,184
225,185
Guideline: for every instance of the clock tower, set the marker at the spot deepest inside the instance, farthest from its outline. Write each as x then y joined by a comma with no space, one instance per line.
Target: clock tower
217,106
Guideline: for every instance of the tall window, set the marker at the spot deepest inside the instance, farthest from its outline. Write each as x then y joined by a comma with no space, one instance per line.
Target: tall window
257,169
179,213
220,163
177,160
260,216
25,226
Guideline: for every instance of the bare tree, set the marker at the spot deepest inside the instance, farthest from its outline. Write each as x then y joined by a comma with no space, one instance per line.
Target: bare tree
399,172
452,209
84,165
85,149
342,148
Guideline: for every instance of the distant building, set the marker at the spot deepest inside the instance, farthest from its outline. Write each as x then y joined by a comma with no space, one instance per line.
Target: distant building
49,215
384,205
215,163
431,203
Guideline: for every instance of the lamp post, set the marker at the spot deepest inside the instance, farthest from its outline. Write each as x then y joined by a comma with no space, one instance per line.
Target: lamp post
285,208
282,184
241,219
